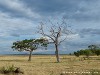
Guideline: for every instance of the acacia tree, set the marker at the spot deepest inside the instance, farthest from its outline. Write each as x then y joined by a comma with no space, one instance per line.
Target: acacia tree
29,45
92,47
56,32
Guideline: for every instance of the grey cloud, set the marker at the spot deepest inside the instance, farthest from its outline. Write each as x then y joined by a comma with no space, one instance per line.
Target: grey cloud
15,35
81,10
52,6
90,31
18,8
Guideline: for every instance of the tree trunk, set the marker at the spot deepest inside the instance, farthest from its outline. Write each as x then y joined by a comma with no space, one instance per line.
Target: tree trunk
30,56
57,53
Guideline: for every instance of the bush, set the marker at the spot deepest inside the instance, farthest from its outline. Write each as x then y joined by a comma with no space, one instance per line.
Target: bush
97,52
7,69
76,54
10,69
87,52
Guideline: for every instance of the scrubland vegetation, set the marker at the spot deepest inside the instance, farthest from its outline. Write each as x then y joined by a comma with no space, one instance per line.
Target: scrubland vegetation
92,50
47,65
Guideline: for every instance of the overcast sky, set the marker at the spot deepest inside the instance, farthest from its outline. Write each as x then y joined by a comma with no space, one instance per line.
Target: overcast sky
19,19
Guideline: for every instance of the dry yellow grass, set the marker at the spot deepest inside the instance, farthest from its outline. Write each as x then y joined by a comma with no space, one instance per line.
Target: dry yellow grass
46,64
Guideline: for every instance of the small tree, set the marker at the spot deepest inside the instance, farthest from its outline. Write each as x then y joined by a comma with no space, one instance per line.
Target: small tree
76,54
29,45
97,52
95,49
87,53
92,47
57,33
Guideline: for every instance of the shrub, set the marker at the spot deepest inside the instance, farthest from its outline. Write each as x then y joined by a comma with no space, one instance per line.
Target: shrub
97,52
76,54
10,69
7,69
87,52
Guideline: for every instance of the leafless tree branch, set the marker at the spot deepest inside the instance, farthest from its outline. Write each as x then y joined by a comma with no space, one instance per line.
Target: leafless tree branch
55,32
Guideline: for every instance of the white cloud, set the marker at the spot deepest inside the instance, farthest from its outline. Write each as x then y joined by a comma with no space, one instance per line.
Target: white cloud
73,36
9,25
18,6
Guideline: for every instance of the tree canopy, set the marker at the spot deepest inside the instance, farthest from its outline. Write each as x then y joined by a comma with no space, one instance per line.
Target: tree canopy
92,50
29,45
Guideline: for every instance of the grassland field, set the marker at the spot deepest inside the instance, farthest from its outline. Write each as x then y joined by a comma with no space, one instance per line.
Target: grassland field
47,65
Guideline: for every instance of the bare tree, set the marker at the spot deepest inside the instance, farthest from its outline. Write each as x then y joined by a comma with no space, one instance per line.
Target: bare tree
56,32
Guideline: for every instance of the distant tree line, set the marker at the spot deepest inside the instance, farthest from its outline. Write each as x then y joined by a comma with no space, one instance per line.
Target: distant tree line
92,50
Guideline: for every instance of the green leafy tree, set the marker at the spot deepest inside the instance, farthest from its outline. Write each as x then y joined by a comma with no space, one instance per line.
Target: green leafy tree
81,52
29,45
93,48
97,52
87,52
76,54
